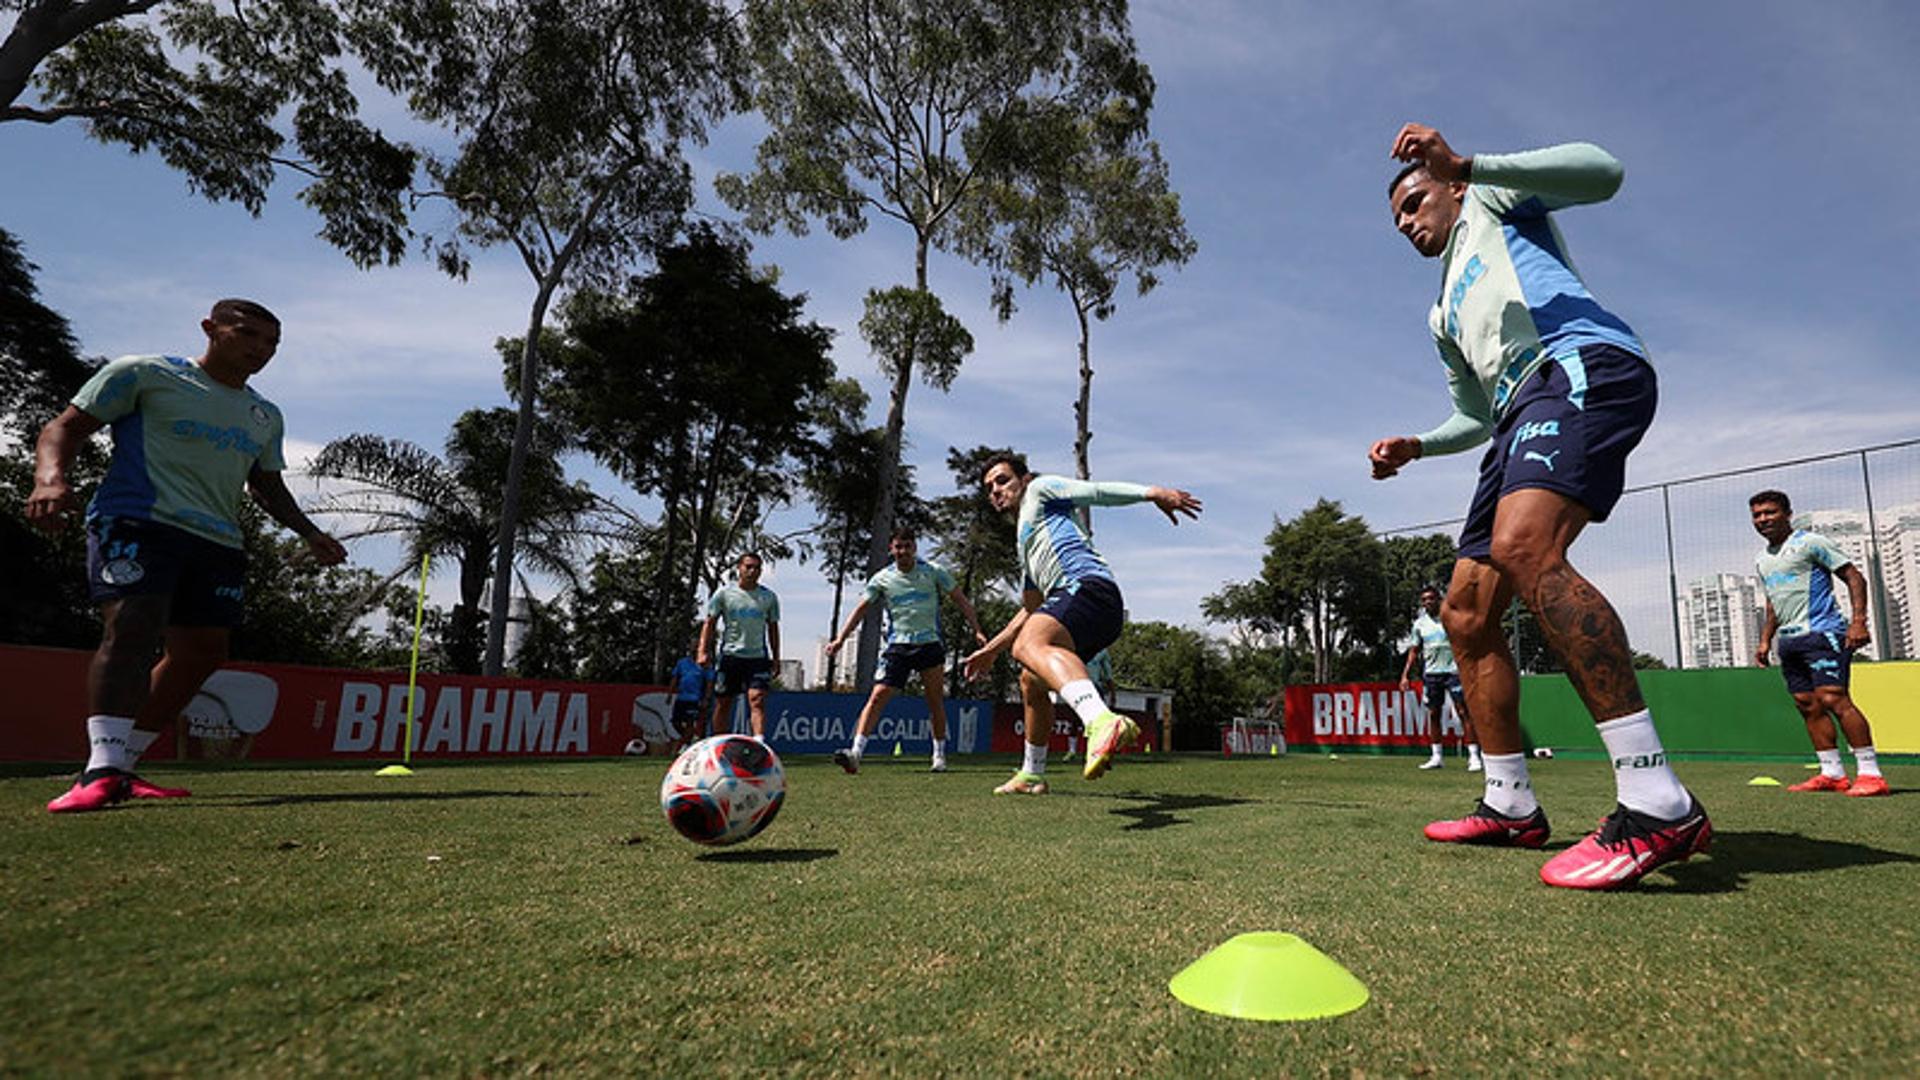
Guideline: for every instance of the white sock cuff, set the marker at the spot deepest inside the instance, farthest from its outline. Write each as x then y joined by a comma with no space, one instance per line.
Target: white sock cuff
1035,761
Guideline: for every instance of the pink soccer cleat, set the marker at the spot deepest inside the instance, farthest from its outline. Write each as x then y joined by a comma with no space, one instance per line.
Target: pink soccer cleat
1488,826
1627,847
140,788
96,794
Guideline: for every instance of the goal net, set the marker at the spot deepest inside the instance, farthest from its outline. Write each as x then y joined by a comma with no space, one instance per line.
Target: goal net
1248,736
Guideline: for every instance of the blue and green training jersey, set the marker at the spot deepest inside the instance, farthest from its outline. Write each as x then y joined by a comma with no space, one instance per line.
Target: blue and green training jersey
183,444
1799,585
1054,551
1510,298
743,619
1436,652
912,600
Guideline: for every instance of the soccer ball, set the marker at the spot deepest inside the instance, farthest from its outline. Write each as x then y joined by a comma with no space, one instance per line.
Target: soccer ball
1543,752
723,790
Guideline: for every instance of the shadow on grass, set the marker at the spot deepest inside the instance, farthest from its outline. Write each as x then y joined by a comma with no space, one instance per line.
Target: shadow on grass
1159,811
1736,856
249,800
770,855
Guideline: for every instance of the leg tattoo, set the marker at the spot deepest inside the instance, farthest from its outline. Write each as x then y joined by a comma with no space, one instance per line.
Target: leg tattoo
1586,634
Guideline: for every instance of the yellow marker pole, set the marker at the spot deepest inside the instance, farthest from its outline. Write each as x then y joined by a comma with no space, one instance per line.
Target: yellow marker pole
413,675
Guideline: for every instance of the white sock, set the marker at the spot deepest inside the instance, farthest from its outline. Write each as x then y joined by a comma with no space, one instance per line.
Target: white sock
939,749
1036,762
1509,789
859,744
1084,699
1867,762
1830,766
1473,751
137,743
107,742
1438,752
1641,775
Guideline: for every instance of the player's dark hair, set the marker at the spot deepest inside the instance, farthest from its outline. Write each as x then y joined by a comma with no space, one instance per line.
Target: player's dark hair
1016,462
1777,498
903,532
1435,589
232,308
745,555
1394,184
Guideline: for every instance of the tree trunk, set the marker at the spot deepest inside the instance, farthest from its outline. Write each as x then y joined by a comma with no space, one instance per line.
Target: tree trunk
840,569
516,470
703,501
464,642
665,601
1083,433
883,507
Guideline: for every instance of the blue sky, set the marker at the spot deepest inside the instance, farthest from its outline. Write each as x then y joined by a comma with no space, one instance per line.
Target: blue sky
1763,247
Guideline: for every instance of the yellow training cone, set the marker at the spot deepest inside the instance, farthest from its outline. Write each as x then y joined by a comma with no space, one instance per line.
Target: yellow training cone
1811,765
1268,976
1273,749
896,750
1763,781
395,770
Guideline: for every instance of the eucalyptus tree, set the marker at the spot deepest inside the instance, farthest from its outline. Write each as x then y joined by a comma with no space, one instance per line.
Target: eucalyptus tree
218,91
1080,196
448,508
889,108
571,118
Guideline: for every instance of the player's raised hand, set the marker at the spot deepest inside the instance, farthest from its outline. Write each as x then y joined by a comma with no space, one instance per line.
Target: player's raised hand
1388,455
1418,142
325,550
1173,502
1858,636
50,505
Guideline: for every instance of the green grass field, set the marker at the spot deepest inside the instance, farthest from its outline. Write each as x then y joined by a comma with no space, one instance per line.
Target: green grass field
497,919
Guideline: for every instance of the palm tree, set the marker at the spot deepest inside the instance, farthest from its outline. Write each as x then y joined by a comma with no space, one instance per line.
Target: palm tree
451,509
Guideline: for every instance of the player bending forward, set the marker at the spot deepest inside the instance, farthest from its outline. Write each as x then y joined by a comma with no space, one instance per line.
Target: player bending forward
1070,609
164,558
1564,390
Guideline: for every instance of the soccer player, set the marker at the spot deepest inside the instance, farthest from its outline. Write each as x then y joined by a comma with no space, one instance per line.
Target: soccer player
164,555
749,614
1563,389
1070,608
910,588
1816,641
691,682
1439,676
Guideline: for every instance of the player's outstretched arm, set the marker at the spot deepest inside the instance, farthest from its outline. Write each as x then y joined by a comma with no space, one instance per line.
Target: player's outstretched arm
269,489
853,623
52,500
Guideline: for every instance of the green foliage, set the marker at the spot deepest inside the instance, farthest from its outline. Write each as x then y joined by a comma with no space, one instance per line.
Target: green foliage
218,91
449,508
1320,587
909,330
300,613
1208,690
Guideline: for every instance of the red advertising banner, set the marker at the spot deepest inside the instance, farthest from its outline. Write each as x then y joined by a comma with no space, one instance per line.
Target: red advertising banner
1362,714
279,711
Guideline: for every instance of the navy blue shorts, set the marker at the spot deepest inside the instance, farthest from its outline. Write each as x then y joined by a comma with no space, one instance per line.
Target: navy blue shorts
1569,430
686,715
134,557
739,673
1440,685
1813,660
901,661
1092,612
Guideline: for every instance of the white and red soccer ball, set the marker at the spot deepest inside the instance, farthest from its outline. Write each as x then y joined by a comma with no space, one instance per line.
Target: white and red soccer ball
723,790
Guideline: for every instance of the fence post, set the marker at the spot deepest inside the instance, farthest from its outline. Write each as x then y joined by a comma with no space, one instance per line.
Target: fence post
1673,578
1875,585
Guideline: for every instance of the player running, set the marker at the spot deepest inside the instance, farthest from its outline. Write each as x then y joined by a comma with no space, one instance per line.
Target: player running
164,555
1070,608
1563,388
1816,641
910,588
1439,677
749,645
